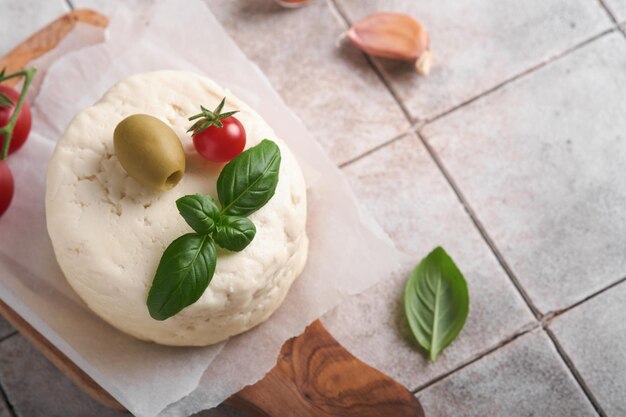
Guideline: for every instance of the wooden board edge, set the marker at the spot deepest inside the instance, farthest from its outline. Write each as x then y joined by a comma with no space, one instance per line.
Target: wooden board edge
47,39
19,57
58,358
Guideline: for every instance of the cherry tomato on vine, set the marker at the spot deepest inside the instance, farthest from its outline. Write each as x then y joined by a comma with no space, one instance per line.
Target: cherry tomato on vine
221,144
217,136
6,186
23,123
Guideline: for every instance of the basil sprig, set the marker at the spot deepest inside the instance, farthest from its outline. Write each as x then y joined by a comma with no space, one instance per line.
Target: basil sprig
436,302
187,266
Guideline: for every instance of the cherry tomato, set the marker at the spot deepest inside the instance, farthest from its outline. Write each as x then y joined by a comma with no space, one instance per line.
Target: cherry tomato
6,186
22,125
221,144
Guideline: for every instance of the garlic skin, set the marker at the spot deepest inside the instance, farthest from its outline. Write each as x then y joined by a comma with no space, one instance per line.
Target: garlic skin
395,36
424,63
293,3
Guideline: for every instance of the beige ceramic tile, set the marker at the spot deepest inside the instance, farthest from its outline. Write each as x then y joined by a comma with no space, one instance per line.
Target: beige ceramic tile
478,44
525,378
402,188
540,161
593,335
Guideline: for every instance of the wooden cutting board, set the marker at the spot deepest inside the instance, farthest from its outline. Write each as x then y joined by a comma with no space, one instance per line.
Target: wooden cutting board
314,375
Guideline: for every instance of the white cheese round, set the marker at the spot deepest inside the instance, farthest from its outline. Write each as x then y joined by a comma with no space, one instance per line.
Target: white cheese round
109,232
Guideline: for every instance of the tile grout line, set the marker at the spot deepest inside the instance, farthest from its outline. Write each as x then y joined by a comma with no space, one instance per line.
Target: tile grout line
612,16
522,74
528,329
387,83
3,394
4,397
8,336
339,12
412,128
342,17
421,123
608,11
561,352
524,330
574,371
481,228
554,314
378,147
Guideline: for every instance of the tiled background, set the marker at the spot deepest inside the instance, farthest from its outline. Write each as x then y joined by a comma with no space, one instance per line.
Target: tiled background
510,155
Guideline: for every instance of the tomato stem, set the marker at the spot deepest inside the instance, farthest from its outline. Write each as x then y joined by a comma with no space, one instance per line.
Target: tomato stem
7,130
207,118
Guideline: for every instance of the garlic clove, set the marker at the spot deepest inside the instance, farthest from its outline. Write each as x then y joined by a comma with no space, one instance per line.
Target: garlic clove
424,63
395,36
293,3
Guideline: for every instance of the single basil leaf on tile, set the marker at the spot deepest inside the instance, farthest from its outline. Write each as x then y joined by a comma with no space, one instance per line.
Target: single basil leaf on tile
249,181
184,272
436,302
234,233
199,211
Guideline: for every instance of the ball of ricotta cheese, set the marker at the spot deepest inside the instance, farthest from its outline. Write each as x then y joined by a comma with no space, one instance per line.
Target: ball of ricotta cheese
109,232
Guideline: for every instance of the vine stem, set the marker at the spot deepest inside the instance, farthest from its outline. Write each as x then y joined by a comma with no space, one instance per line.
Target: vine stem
7,130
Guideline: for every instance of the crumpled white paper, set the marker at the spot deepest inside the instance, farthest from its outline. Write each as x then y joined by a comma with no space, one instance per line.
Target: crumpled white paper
348,251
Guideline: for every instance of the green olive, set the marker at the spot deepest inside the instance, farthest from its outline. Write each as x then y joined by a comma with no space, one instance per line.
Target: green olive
150,151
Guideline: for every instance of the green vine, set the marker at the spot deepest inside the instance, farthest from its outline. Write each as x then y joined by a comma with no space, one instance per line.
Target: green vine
7,130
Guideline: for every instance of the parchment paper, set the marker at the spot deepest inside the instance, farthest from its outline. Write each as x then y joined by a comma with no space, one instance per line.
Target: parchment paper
348,250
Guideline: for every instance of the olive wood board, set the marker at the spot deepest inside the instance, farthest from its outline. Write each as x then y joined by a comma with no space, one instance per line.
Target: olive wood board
314,375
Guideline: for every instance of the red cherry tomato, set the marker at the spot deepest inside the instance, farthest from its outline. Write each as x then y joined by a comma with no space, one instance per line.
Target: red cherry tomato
6,186
22,125
221,144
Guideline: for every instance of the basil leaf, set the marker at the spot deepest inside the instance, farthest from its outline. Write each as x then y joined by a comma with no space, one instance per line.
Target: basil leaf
199,211
184,272
248,182
436,302
234,233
